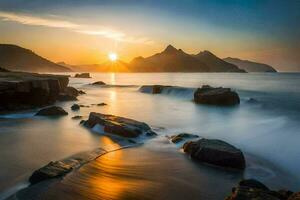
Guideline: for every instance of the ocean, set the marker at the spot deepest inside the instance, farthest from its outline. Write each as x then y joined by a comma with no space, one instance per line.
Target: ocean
267,130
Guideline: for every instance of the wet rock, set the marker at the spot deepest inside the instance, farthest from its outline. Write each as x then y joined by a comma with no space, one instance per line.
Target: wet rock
121,126
153,89
182,136
84,106
77,117
66,97
252,189
99,83
52,111
72,91
81,92
82,75
101,104
216,96
75,107
20,90
216,152
60,168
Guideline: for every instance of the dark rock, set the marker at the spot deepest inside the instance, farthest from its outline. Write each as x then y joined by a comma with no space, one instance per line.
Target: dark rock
84,106
216,96
77,117
60,168
3,70
99,83
216,152
52,111
254,190
101,104
182,136
153,89
118,125
82,121
66,97
295,196
82,75
81,92
75,107
19,90
72,91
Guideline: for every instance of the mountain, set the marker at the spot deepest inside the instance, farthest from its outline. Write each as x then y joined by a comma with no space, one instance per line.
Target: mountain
216,64
250,66
176,60
108,66
16,58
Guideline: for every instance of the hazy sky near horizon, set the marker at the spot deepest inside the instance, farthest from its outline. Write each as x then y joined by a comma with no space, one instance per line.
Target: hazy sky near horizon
82,32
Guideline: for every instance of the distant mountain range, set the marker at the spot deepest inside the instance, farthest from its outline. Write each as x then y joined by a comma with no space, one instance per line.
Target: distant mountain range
176,60
16,58
250,66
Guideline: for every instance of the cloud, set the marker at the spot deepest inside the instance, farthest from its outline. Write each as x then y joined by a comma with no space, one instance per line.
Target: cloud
78,28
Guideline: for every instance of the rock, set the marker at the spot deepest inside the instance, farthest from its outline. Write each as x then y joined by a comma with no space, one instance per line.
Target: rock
75,107
72,91
153,89
3,70
66,97
216,96
99,83
216,152
60,168
77,117
254,190
20,90
84,106
252,100
101,104
121,126
295,196
82,75
81,92
182,136
52,111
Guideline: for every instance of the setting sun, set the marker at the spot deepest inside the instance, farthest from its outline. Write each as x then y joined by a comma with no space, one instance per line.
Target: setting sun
112,56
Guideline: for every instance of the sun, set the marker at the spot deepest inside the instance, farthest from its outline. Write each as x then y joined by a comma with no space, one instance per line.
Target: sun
113,57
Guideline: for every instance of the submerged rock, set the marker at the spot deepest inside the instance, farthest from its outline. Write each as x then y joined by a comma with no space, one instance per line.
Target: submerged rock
216,96
52,111
75,107
182,136
66,97
99,83
252,100
121,126
252,189
153,89
82,75
216,152
101,104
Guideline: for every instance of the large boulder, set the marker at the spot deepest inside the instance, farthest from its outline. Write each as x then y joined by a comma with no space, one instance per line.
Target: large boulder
216,96
20,90
52,111
121,126
75,107
153,89
216,152
82,75
252,189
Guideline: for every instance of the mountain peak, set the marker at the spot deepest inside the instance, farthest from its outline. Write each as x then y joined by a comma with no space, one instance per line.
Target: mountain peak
170,49
205,53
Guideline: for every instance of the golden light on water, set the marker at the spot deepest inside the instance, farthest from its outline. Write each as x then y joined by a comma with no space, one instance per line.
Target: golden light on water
113,57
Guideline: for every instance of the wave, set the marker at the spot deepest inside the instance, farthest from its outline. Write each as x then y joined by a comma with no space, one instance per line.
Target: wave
184,92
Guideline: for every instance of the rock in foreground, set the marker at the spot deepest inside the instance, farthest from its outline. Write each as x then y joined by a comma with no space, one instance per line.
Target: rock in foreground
60,168
99,83
216,152
82,75
216,96
52,111
121,126
254,190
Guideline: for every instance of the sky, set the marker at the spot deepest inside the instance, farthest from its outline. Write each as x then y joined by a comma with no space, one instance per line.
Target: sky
85,32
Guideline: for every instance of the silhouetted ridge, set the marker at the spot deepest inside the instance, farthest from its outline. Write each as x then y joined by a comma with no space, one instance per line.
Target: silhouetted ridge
16,58
250,66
